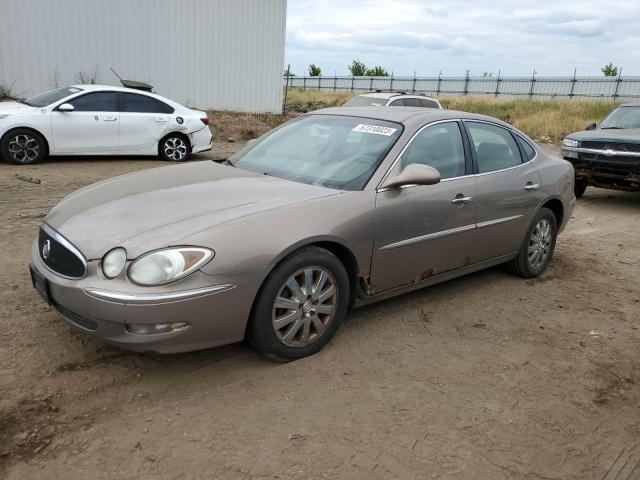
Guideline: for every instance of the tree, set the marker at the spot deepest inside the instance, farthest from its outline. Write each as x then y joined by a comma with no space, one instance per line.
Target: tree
377,71
290,74
357,68
314,71
610,70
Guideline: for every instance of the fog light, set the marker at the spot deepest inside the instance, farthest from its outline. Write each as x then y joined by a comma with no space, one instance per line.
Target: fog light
155,328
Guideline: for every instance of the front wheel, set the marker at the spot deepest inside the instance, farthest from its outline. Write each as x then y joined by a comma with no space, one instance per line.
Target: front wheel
174,148
538,246
23,147
300,306
579,188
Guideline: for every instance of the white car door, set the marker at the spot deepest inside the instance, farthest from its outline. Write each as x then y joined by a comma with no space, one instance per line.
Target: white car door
143,122
91,128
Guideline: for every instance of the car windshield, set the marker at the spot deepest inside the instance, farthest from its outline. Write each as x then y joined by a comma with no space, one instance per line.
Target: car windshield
51,96
365,101
622,117
330,151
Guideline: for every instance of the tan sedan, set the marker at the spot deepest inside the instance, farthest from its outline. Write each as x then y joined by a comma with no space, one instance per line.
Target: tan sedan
336,209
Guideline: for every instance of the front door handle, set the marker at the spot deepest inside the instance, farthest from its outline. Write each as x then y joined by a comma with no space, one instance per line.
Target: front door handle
461,200
531,186
109,119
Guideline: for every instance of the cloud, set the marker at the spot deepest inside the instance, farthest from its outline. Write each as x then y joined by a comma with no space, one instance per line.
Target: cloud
454,35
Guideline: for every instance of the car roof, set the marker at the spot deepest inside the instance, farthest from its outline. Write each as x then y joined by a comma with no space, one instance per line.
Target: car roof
406,114
107,87
388,95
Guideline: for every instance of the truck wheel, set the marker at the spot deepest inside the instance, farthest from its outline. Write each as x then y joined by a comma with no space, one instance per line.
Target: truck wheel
579,188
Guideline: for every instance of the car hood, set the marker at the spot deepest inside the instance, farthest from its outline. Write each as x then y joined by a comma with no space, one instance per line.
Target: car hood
159,207
628,135
14,107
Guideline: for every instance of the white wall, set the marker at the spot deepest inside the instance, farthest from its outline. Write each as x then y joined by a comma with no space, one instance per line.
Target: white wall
217,54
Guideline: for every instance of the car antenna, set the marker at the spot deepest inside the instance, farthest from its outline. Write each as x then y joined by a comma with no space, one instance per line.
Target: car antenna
133,83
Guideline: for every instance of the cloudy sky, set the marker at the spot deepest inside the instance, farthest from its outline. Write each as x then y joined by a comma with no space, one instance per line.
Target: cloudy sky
453,36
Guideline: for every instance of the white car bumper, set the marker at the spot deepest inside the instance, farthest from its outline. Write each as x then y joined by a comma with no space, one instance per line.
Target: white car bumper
201,140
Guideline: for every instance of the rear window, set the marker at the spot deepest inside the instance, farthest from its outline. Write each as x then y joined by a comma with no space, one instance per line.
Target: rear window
425,102
365,101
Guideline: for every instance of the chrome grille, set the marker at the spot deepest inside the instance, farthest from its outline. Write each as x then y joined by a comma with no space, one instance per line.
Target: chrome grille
59,255
619,147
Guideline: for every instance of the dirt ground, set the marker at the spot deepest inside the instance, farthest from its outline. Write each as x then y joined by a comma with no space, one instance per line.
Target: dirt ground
485,377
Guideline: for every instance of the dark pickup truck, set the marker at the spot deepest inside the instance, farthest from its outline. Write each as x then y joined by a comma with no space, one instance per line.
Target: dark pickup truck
607,155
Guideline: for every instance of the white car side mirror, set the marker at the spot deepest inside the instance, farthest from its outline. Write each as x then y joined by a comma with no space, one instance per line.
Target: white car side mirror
66,107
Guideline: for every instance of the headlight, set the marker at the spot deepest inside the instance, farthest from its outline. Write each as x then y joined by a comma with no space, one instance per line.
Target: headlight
169,265
569,142
113,262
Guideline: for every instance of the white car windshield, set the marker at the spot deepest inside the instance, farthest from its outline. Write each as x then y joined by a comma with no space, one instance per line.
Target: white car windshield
51,96
365,101
327,150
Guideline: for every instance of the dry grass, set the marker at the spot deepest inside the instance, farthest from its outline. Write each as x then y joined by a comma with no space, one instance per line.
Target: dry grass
543,120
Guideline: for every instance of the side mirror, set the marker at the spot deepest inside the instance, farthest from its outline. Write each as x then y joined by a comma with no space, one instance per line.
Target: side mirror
591,126
66,107
413,174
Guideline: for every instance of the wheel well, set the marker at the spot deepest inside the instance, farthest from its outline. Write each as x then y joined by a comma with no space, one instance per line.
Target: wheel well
348,260
556,207
46,143
181,134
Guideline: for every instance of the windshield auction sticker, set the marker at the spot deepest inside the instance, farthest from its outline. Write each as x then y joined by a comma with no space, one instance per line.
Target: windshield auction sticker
378,130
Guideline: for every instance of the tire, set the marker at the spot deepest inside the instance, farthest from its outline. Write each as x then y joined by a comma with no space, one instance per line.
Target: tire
174,147
545,227
579,188
23,146
316,314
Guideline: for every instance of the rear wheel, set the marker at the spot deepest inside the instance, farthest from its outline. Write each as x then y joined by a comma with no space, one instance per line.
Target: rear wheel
579,188
538,246
23,147
174,148
300,306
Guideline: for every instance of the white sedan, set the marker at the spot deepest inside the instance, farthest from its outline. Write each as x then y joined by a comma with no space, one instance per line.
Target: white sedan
100,120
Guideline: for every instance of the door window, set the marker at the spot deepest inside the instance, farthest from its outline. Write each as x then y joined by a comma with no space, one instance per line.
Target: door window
528,150
495,147
439,146
132,102
95,102
424,102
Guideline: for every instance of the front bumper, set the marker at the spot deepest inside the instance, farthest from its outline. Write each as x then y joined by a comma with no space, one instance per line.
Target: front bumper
216,308
605,168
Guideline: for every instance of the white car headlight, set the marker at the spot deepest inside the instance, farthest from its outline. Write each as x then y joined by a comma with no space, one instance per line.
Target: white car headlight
113,262
169,265
569,142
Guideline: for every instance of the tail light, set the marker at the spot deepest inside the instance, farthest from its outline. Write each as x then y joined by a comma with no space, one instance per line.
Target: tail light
205,120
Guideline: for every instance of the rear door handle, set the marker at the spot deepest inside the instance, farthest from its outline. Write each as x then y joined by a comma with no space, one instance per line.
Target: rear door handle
531,186
109,119
161,120
461,200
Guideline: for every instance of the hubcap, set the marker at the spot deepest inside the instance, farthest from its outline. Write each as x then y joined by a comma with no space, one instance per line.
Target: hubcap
23,148
175,148
539,244
304,307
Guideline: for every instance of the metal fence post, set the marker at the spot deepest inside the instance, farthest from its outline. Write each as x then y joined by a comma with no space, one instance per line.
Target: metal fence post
335,81
352,83
319,83
466,84
498,85
533,81
438,87
286,89
370,84
391,84
618,80
573,83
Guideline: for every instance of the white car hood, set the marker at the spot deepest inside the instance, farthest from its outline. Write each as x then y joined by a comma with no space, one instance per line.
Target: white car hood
15,107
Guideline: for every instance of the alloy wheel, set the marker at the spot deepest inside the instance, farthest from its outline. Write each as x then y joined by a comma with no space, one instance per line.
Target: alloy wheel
175,148
24,148
539,244
304,307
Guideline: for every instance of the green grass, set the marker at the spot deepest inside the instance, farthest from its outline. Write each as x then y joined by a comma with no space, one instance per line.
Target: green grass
543,120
